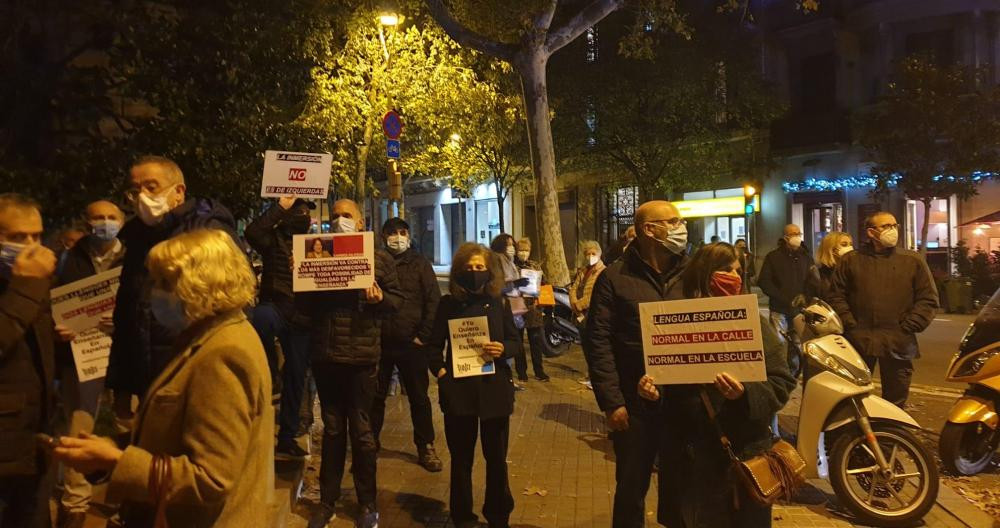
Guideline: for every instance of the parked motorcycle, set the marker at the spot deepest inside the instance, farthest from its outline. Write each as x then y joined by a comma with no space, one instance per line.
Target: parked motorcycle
862,443
971,435
560,325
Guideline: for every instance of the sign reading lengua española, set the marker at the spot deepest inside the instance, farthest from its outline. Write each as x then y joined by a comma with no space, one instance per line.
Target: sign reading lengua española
693,340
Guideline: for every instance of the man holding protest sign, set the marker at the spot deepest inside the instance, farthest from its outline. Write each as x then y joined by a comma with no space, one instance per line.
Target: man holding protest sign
346,342
276,316
97,252
141,347
26,362
613,349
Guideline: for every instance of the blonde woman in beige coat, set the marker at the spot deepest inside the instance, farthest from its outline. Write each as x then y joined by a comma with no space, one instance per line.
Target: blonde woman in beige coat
202,447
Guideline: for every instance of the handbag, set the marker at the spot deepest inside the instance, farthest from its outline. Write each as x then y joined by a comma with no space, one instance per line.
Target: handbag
159,486
768,477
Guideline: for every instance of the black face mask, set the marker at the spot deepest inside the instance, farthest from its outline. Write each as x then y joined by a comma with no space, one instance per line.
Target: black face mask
472,281
297,224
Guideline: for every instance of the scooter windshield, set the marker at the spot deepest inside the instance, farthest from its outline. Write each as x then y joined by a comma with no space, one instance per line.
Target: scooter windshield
986,329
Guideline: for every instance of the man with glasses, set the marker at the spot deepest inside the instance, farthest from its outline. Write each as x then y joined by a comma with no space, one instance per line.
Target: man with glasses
783,279
140,347
612,345
885,296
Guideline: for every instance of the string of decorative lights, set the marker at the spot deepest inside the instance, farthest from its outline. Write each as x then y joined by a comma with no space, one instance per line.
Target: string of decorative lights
857,182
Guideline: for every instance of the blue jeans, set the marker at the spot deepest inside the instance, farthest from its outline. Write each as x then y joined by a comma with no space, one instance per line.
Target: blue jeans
270,324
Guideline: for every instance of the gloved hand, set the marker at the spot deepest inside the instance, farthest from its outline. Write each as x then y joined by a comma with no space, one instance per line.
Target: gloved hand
522,282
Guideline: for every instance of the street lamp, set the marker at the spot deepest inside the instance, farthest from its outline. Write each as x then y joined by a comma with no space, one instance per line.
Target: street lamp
388,19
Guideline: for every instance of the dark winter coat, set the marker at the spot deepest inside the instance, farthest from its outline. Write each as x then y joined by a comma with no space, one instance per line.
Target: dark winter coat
268,236
344,328
421,295
489,396
79,265
691,444
612,343
820,282
884,300
140,347
26,371
783,276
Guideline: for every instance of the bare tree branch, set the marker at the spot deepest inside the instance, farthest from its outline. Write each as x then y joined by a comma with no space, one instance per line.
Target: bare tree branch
465,36
543,20
587,17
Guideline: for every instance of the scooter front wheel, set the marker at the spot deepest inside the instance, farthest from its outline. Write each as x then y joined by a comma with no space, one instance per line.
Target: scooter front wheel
897,497
967,449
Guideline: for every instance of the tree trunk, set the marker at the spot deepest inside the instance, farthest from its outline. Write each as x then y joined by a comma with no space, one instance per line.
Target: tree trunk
531,64
500,201
361,177
925,225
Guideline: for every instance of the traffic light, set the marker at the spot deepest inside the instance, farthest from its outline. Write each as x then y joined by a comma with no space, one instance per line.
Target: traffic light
395,177
750,199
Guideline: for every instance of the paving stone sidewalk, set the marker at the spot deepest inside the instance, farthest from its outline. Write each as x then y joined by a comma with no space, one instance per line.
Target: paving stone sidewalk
560,462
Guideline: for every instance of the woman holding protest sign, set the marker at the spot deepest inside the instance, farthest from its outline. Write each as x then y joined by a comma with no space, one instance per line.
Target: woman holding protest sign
743,411
477,394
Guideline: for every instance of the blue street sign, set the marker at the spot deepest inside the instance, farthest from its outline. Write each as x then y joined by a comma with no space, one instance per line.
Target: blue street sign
392,148
392,125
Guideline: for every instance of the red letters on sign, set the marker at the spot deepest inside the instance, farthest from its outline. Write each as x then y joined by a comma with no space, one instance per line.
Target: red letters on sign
296,175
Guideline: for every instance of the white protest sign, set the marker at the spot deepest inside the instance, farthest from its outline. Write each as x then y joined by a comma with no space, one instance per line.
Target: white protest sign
693,340
303,174
467,339
80,306
534,281
333,261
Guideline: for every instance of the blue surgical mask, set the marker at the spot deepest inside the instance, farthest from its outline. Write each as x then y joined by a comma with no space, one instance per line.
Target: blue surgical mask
8,254
106,230
168,310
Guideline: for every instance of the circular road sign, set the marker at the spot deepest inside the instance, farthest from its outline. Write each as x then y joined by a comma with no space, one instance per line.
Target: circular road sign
392,125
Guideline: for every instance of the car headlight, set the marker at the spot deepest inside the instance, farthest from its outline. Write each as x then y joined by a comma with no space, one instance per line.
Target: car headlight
972,364
833,364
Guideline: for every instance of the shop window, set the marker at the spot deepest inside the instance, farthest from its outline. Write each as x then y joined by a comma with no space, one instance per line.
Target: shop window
938,227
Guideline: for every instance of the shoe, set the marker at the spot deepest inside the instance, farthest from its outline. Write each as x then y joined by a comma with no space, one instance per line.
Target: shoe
428,459
368,518
68,519
322,517
289,450
519,388
543,378
522,378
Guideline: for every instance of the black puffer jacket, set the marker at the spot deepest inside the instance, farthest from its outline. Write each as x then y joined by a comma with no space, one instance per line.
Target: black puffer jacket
79,265
612,343
26,370
140,347
884,299
420,289
346,329
269,236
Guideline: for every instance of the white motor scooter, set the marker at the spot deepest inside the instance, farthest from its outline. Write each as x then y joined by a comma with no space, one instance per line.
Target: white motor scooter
863,444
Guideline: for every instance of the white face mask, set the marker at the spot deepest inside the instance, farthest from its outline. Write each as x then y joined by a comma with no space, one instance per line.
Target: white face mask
342,224
593,260
397,243
151,209
843,250
676,241
510,251
794,241
523,255
8,254
889,237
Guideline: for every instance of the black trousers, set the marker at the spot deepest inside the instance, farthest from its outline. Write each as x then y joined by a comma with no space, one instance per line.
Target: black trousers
24,501
635,452
895,374
536,338
460,432
345,400
412,365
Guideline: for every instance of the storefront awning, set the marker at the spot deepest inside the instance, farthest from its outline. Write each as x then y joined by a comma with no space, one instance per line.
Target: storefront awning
992,218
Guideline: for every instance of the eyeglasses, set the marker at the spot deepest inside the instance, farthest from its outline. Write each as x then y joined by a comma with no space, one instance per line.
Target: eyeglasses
883,227
672,222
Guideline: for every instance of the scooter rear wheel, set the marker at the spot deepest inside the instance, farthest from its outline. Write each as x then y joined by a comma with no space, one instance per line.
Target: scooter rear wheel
967,449
898,499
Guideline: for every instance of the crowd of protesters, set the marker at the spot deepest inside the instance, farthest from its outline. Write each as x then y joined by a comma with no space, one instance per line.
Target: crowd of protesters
195,367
